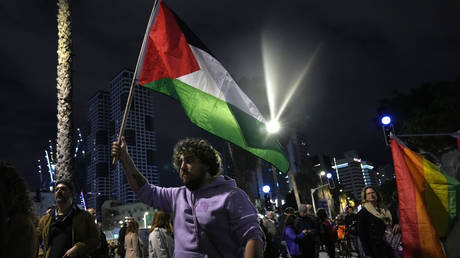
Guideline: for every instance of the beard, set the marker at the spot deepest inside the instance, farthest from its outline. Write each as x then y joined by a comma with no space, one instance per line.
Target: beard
193,182
63,200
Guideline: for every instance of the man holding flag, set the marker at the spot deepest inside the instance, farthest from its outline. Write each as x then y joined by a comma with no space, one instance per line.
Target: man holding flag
212,217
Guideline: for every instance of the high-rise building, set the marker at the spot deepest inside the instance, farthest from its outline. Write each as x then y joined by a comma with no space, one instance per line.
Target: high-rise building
301,155
139,133
353,174
98,183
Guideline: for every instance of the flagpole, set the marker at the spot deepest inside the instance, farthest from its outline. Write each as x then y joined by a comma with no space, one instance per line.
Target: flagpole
427,134
131,90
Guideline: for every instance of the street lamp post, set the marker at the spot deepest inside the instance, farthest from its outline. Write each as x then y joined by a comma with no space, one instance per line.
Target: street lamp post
312,191
145,219
321,174
276,186
387,128
273,127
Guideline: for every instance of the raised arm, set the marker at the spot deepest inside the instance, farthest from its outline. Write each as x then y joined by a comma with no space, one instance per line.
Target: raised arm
254,249
135,179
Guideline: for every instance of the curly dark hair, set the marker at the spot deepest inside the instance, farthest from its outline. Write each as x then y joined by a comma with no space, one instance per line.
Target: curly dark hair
202,150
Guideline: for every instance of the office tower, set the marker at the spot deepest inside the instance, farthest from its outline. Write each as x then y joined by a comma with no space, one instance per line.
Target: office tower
139,133
353,174
98,183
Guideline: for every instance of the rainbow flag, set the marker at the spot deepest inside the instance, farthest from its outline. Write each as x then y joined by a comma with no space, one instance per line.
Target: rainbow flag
428,202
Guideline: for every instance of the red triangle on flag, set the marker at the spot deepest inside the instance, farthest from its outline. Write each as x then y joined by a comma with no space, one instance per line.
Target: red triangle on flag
168,54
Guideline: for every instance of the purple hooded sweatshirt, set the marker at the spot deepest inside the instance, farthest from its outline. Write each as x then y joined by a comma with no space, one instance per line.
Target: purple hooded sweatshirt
219,211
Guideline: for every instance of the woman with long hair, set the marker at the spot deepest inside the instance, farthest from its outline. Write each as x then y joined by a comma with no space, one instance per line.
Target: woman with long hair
373,220
132,244
161,242
18,221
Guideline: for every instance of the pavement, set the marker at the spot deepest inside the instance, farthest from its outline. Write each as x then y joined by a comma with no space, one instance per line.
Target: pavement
337,254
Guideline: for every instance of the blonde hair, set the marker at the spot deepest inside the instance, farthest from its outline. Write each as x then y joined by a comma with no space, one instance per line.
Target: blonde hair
363,195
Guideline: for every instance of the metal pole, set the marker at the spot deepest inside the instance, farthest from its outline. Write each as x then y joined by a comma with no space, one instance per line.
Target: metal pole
131,89
292,172
313,199
427,134
275,182
313,190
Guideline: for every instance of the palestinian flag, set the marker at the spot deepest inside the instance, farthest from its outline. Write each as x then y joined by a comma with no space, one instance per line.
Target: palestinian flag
428,202
174,62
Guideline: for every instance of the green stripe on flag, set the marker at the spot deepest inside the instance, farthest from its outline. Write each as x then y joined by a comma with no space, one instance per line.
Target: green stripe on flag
224,120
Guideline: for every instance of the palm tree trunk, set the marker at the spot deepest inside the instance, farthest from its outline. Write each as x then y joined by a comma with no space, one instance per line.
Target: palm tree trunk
65,153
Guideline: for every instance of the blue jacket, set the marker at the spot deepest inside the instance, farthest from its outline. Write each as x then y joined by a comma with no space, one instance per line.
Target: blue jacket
291,239
216,216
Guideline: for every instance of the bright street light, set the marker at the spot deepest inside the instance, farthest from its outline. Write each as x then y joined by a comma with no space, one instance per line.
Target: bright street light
322,173
385,120
273,126
329,175
266,189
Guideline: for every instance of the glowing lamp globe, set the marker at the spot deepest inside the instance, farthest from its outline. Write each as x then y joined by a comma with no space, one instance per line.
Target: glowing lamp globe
386,120
266,189
273,126
329,175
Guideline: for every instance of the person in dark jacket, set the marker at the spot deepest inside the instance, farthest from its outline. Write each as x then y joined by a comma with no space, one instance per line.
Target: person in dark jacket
351,221
67,231
309,223
282,219
329,233
373,219
103,249
121,241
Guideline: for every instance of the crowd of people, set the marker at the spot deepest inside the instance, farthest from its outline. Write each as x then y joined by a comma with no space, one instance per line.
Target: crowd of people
373,231
207,217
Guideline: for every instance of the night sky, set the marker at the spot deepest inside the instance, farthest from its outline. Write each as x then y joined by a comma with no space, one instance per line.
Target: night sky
364,50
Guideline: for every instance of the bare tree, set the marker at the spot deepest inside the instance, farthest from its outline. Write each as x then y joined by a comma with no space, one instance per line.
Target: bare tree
244,164
65,154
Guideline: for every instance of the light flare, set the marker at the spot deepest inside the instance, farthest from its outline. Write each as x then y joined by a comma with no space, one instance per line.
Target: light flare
270,76
296,84
271,64
273,126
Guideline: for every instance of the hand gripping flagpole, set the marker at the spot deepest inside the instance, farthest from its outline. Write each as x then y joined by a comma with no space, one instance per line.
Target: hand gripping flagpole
134,80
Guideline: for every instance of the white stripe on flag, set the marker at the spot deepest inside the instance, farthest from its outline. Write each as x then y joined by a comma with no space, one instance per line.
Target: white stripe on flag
213,79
